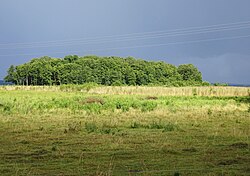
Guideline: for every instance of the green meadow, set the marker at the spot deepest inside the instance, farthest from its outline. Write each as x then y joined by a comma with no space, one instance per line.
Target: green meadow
59,131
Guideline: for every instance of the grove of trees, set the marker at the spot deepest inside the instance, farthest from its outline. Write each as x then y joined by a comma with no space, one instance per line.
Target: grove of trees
73,69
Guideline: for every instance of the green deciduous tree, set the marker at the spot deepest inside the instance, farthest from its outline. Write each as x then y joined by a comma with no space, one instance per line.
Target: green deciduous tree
189,72
11,77
102,70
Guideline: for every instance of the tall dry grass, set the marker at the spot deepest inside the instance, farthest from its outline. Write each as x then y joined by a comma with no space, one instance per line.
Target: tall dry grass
143,90
173,91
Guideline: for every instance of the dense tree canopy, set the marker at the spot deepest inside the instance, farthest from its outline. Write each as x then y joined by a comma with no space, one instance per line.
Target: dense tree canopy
102,70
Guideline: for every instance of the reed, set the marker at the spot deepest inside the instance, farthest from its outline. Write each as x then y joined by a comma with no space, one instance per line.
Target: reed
173,91
141,90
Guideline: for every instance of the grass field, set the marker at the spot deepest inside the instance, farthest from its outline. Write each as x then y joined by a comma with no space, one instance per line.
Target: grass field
124,131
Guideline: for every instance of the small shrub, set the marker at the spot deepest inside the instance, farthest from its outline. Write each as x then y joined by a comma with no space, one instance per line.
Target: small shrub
135,105
93,108
6,108
148,106
194,91
41,128
156,125
105,129
168,102
136,125
61,103
242,99
210,91
108,130
54,148
205,83
89,86
117,83
170,127
91,127
123,106
220,84
118,105
209,112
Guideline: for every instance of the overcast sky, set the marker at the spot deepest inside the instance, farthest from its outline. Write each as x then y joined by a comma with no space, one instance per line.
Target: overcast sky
214,35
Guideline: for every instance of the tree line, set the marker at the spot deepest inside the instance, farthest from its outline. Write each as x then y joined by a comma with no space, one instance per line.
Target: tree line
73,69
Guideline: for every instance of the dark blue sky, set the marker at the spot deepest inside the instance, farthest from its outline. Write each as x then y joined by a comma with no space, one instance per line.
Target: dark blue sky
34,28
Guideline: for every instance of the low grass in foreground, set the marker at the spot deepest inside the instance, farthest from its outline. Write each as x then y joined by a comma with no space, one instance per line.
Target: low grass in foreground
79,133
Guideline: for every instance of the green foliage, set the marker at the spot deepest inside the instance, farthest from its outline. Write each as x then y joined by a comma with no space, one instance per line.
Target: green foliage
220,84
30,102
113,71
189,73
11,77
156,125
57,130
205,83
170,127
93,108
136,125
148,106
6,107
209,112
107,129
123,105
242,99
194,91
91,127
165,127
74,87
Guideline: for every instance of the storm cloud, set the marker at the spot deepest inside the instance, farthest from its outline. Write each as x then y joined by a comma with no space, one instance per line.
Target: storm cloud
27,23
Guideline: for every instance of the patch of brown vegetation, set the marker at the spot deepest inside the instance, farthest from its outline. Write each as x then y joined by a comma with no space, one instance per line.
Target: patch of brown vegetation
151,98
91,100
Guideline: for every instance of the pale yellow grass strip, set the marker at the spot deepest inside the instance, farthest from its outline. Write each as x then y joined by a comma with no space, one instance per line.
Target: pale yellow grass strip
152,91
173,91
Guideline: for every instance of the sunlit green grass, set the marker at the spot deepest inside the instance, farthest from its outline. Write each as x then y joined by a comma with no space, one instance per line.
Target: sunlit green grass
76,133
